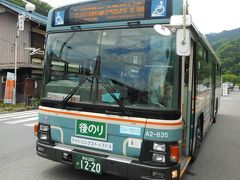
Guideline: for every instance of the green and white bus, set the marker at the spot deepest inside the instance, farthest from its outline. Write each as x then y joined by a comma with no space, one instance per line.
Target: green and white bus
130,88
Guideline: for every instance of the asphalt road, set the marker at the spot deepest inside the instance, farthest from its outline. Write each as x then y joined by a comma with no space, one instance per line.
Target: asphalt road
219,158
18,159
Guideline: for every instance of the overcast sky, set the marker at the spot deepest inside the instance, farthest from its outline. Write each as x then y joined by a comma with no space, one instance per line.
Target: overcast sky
208,15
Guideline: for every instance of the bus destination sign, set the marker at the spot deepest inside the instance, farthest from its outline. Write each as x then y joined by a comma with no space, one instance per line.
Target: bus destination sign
109,11
112,11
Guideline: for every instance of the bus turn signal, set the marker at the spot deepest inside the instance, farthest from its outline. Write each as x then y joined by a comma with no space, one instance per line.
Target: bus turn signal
175,153
36,129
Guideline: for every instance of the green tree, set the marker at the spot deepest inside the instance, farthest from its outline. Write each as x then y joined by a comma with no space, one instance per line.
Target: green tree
231,78
229,54
41,7
18,2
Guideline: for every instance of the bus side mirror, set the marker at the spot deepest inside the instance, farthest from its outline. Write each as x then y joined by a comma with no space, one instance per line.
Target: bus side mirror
183,42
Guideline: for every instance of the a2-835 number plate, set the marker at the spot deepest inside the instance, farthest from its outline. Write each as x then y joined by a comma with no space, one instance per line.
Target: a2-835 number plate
88,163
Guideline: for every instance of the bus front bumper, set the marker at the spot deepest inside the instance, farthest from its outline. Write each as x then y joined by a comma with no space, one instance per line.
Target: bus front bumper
115,165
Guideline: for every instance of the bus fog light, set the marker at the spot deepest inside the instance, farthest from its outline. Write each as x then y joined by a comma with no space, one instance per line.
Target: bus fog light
40,149
44,127
174,174
159,147
158,158
158,175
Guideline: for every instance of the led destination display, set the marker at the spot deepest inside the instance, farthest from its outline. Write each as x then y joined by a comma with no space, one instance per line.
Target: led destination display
112,11
109,11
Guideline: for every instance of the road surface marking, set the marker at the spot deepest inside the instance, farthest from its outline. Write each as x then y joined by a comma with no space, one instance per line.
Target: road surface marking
21,121
30,124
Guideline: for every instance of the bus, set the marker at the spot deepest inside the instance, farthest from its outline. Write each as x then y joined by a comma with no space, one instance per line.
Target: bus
130,88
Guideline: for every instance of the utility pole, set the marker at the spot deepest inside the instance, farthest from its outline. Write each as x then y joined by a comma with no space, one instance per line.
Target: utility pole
15,67
19,27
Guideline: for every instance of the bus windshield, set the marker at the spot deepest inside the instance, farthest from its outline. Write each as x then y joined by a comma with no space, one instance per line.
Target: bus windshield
139,66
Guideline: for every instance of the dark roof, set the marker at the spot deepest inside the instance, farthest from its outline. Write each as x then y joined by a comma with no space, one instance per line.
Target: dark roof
35,17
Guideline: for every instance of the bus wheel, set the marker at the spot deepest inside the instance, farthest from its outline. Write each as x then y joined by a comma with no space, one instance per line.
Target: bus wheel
215,113
197,141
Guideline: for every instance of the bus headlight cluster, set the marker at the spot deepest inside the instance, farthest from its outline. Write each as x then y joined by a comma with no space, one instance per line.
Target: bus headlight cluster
44,132
159,154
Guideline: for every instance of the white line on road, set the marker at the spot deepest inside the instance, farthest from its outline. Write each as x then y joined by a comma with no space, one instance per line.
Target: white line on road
30,124
18,114
21,121
17,117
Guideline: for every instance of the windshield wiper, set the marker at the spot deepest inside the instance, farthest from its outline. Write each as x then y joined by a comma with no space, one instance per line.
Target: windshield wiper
73,91
110,89
97,75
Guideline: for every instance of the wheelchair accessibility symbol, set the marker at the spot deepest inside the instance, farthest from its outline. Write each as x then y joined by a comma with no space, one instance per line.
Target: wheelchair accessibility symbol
158,8
59,18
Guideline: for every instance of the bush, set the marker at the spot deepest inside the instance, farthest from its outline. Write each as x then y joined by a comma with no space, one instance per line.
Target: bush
35,102
12,107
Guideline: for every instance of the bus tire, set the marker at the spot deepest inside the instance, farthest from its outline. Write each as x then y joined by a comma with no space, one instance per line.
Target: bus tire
198,140
215,112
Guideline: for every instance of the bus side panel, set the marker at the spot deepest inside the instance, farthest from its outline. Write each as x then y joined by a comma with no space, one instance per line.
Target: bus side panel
203,107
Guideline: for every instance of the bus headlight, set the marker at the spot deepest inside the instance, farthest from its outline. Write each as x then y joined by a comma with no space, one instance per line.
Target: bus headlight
159,147
159,158
43,136
44,127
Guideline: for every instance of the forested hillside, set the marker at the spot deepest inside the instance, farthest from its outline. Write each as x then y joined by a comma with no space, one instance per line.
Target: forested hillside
225,35
227,47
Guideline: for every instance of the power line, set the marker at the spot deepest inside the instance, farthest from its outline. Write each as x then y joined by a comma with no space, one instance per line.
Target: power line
6,41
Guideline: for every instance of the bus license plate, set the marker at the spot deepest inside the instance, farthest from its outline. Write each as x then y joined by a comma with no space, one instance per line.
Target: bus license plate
88,163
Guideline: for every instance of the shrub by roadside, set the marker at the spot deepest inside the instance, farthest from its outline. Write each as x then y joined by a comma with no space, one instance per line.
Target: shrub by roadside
14,108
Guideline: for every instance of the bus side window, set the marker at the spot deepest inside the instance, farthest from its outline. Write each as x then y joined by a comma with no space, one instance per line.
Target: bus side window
203,75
